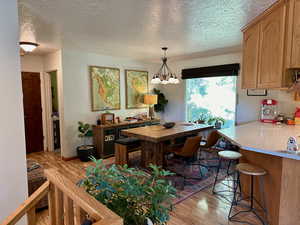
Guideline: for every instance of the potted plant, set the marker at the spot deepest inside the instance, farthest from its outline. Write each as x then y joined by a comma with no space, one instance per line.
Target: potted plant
136,196
203,117
85,151
161,101
217,121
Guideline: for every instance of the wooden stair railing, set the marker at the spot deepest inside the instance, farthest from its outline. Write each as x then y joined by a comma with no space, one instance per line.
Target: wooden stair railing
68,204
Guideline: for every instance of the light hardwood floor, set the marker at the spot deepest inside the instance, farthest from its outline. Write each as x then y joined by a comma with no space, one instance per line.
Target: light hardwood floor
202,208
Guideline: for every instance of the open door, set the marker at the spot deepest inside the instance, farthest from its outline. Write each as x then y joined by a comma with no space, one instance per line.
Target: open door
31,85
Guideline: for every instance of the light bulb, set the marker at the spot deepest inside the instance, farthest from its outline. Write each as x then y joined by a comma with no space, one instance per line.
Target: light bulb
153,81
157,80
164,82
171,80
176,81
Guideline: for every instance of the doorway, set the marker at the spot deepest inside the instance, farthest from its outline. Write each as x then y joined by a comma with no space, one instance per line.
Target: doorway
55,110
33,120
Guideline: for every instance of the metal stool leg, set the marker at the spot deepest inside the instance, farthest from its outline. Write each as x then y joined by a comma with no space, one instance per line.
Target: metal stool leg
251,207
228,168
217,175
234,201
230,181
252,193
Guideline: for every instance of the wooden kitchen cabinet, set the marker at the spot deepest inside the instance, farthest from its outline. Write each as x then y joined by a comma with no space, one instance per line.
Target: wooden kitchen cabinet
295,31
263,49
271,49
250,57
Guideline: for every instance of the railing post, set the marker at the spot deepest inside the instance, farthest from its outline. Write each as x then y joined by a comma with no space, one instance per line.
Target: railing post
69,210
31,216
79,215
51,202
59,206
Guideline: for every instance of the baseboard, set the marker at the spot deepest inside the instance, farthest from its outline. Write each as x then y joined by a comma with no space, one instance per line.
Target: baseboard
69,158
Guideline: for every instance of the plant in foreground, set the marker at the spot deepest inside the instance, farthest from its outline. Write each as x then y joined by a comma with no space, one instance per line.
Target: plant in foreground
131,193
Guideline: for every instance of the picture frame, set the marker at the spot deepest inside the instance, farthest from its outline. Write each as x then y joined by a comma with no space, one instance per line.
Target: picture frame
105,88
136,85
107,118
257,92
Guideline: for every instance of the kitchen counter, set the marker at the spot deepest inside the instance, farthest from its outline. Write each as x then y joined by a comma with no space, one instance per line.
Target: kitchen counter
264,145
264,138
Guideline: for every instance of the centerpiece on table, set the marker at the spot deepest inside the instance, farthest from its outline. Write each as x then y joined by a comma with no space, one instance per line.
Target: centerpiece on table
136,196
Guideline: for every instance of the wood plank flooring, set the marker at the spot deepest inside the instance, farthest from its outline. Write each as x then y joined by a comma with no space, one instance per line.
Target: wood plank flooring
202,208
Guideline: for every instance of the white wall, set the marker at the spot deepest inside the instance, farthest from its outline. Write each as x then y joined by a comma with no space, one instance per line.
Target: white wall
77,91
286,103
247,107
13,178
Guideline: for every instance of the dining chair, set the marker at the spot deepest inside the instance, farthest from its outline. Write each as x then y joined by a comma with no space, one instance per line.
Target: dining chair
208,148
187,153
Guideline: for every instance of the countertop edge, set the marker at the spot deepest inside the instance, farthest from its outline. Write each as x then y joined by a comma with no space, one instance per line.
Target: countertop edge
279,153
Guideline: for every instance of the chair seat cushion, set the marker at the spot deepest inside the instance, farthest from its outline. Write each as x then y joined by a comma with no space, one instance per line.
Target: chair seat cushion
231,155
250,169
128,141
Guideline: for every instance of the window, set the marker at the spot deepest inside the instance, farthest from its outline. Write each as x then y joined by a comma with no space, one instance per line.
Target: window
213,97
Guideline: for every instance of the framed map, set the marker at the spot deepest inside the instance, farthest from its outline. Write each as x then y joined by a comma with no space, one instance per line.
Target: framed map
136,88
105,86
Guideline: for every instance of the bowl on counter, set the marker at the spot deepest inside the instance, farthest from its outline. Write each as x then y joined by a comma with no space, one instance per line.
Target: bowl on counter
169,125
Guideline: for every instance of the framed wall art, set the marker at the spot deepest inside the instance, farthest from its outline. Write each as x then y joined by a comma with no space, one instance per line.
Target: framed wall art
105,88
257,92
136,88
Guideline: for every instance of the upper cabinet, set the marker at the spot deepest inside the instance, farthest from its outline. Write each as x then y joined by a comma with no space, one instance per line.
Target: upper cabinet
271,46
270,66
294,28
250,57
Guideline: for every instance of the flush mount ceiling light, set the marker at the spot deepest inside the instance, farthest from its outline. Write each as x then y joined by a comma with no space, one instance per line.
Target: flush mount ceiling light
164,74
28,46
27,39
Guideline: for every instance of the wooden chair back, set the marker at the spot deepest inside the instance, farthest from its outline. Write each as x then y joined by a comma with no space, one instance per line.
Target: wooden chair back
212,139
190,147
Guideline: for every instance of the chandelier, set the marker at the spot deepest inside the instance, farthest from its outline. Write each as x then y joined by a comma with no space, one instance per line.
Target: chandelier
164,74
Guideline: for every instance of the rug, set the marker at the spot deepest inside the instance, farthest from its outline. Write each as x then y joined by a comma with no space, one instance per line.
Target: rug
201,178
204,178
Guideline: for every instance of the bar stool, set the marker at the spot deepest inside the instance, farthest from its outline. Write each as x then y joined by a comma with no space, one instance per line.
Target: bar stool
231,156
253,171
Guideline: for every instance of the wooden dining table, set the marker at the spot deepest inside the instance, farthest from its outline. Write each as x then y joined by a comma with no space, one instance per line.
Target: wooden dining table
154,139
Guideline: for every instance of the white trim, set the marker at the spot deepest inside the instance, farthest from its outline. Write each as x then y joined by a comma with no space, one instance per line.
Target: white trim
48,112
43,103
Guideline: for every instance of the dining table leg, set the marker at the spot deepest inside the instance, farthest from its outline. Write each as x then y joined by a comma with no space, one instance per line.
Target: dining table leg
152,153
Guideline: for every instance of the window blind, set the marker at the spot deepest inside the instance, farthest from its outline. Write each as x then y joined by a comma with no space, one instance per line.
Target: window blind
211,71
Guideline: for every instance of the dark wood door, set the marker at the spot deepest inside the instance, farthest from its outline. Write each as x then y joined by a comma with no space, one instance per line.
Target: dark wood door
31,84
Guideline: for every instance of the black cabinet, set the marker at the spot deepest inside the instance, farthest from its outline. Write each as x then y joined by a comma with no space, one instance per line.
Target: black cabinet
109,142
105,136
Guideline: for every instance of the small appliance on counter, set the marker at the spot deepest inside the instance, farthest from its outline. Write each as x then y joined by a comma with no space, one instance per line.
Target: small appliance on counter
290,121
297,116
280,118
292,145
268,111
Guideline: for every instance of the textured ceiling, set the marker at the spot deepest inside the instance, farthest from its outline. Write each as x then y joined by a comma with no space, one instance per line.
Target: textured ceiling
138,28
